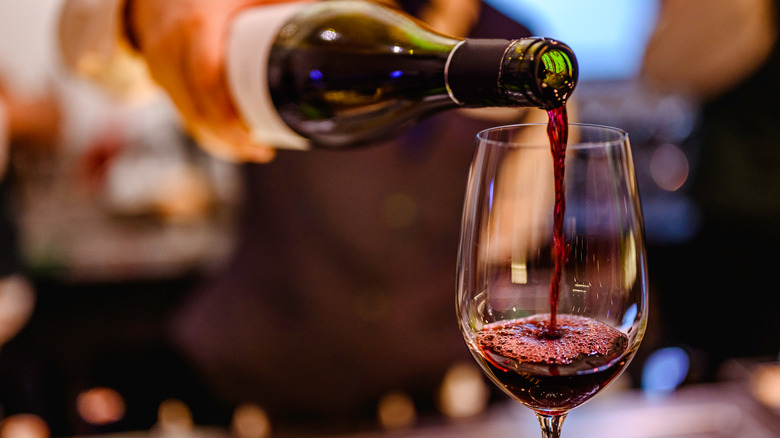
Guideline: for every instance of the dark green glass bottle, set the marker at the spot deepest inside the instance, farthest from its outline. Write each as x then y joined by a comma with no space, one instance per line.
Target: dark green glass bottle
343,73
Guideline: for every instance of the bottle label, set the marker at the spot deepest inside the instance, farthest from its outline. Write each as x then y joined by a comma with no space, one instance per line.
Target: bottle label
249,45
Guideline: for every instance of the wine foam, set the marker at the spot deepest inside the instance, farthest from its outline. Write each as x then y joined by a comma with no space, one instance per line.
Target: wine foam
528,340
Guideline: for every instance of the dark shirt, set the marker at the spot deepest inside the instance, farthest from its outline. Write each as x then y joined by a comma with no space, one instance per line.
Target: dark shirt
343,285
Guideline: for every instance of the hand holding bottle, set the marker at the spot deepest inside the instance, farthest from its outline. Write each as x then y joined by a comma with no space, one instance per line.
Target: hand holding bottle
335,74
183,44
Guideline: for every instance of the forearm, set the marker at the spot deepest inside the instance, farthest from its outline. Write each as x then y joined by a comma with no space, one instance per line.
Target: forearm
704,47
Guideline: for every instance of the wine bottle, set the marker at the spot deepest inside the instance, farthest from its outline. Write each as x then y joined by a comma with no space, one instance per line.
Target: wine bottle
342,73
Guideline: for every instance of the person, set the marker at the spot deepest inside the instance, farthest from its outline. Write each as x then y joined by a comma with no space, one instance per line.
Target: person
715,292
341,288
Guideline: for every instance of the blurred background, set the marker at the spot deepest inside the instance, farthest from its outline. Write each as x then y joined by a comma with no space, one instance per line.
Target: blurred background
112,216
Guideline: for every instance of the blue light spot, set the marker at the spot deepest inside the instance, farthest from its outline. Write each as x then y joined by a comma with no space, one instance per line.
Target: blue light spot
490,194
315,75
396,74
629,317
664,371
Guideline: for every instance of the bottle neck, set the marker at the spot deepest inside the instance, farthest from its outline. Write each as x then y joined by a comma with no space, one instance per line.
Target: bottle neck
528,72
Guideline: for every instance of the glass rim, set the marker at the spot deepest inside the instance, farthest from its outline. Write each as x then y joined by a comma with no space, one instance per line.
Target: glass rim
613,135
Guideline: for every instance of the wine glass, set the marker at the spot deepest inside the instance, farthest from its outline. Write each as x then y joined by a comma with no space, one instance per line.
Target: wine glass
552,310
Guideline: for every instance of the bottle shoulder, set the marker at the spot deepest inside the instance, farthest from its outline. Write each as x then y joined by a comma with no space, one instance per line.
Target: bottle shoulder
359,25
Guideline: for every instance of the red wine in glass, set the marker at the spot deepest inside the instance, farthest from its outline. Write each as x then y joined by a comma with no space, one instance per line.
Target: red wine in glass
557,374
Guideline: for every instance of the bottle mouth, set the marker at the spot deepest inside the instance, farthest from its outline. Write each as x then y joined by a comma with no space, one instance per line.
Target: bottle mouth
557,71
549,68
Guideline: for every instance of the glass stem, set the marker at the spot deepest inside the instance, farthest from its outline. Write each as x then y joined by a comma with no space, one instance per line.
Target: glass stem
551,425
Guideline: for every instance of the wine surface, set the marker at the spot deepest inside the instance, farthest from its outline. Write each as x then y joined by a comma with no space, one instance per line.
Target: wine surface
552,373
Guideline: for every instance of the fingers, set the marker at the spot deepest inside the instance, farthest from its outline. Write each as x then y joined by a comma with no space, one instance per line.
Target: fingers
231,145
